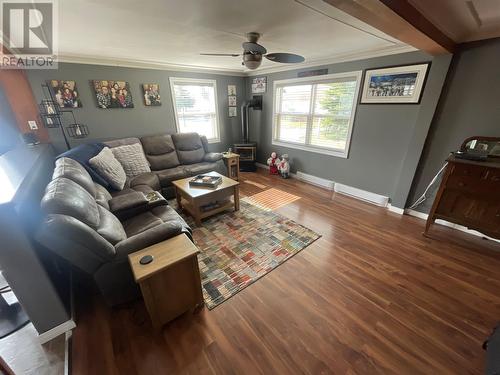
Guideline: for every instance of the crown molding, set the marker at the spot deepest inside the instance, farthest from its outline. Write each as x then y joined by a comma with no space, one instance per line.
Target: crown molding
157,65
361,55
147,64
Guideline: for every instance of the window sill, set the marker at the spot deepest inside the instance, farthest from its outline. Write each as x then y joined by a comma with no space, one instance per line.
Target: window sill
337,153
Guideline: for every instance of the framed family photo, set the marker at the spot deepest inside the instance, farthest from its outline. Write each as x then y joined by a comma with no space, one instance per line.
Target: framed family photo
151,92
401,84
65,93
113,94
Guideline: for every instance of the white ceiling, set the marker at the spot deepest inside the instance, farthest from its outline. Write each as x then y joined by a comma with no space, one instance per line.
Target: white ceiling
172,33
463,20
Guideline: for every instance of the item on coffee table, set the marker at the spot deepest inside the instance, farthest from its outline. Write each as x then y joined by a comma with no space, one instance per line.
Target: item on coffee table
205,181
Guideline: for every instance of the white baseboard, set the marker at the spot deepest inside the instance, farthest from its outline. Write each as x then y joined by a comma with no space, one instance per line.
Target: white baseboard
310,179
395,209
363,195
56,331
424,216
316,181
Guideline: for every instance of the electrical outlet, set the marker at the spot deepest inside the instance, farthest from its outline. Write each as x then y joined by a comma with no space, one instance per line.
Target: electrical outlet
32,124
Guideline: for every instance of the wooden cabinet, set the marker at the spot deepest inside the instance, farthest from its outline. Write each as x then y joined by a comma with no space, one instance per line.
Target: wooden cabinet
469,195
171,283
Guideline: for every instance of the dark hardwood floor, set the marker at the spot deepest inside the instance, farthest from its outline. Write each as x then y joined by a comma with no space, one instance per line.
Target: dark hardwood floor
372,296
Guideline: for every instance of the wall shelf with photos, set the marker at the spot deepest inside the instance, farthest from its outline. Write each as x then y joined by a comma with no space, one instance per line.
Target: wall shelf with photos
52,113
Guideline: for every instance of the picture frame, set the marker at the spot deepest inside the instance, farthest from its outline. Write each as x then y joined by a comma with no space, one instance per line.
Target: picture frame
64,93
112,94
259,85
232,100
231,90
394,85
233,112
151,94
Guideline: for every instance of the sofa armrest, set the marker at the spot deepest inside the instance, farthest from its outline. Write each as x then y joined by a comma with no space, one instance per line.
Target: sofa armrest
212,157
150,178
149,237
127,205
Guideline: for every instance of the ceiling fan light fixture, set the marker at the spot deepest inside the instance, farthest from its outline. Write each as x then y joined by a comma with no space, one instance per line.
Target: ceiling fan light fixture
252,61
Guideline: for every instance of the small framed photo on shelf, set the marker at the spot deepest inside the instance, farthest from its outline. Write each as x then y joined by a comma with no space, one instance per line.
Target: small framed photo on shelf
231,89
233,112
51,121
400,84
232,100
259,85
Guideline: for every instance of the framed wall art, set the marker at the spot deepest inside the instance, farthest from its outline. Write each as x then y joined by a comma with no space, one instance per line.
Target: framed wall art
65,93
151,93
113,94
400,84
259,85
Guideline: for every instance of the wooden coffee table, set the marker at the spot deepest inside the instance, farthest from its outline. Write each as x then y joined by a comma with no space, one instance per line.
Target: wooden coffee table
192,199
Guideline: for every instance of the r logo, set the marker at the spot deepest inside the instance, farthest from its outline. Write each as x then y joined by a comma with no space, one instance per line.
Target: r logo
27,28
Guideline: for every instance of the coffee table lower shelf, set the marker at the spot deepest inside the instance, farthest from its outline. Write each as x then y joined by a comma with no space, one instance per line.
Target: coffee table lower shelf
201,214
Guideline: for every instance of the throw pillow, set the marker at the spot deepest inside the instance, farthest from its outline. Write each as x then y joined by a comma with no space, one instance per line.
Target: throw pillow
82,154
109,168
132,159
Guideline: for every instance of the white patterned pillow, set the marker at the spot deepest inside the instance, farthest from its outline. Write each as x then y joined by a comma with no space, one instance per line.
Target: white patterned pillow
132,159
106,165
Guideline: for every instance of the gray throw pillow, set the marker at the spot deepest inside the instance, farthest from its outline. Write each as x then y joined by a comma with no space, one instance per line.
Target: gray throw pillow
106,165
132,159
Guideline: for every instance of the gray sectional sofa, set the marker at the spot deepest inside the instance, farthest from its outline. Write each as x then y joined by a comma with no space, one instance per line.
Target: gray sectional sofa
95,229
172,157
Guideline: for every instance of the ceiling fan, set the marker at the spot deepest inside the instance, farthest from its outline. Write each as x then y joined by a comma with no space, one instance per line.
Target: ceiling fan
253,52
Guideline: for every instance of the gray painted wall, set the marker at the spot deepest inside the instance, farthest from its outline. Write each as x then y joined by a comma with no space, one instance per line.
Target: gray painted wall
386,141
469,106
140,120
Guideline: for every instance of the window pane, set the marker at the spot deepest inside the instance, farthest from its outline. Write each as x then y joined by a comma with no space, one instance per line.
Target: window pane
295,99
201,124
196,107
194,98
292,128
335,99
330,132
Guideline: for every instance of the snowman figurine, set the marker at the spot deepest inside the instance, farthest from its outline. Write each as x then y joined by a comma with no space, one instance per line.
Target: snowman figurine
284,166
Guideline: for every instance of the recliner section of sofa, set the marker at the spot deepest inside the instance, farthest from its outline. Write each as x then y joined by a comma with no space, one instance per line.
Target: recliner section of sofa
80,228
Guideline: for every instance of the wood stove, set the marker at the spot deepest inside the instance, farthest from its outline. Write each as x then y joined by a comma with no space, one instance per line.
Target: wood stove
246,149
248,155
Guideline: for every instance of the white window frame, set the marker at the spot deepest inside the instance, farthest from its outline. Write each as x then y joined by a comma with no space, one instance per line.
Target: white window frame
311,80
213,82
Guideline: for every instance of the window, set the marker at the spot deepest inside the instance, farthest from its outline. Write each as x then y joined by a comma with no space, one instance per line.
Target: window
316,114
195,106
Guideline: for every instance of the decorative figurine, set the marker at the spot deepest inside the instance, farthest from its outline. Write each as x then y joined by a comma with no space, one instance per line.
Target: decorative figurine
284,166
273,163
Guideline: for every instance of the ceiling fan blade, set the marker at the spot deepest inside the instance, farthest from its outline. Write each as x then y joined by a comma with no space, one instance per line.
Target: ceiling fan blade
287,58
221,54
254,47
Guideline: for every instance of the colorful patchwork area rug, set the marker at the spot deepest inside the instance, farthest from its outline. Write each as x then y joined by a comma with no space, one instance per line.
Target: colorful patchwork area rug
238,248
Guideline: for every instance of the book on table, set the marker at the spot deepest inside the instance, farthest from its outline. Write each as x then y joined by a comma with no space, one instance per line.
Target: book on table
205,181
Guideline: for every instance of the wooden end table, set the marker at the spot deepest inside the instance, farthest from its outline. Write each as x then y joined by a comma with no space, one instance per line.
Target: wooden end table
193,199
232,162
171,283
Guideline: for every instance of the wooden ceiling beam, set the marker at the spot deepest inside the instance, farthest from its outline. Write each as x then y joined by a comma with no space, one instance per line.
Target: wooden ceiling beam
399,19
